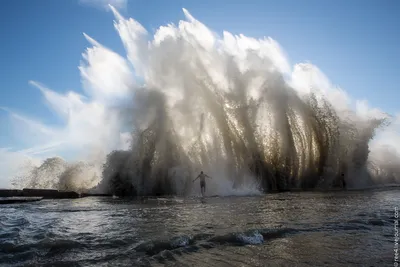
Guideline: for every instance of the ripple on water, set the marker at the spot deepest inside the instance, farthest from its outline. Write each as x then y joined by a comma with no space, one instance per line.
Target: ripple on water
221,232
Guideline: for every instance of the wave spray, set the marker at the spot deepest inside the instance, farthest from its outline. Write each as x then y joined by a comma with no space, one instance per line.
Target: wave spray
229,106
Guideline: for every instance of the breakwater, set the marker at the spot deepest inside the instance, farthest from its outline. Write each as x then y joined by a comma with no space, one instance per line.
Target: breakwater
8,196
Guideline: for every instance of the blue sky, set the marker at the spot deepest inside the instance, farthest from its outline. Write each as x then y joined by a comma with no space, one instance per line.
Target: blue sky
356,44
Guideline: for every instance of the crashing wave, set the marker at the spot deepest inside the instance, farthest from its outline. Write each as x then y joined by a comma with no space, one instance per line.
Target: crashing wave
225,106
56,173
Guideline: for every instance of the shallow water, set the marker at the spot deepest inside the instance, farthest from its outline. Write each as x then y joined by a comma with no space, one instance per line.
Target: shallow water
289,229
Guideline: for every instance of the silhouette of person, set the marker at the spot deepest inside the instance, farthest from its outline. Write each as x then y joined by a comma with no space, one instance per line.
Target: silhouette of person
202,177
343,181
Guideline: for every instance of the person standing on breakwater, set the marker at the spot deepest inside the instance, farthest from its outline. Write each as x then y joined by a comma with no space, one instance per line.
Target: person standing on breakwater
343,181
202,177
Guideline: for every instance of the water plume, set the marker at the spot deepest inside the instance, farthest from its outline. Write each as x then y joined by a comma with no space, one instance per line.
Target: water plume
225,106
56,173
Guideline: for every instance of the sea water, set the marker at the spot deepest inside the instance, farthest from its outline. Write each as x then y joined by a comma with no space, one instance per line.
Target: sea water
353,228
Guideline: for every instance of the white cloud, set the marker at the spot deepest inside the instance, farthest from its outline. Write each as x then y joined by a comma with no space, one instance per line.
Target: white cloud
105,4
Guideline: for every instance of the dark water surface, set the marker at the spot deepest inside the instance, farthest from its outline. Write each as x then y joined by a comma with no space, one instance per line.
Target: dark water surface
289,229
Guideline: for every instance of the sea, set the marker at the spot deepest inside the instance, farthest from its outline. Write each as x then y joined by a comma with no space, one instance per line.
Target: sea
342,228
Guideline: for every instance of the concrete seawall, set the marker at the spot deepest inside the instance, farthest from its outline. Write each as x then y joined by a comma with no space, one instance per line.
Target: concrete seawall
29,194
10,193
49,193
43,193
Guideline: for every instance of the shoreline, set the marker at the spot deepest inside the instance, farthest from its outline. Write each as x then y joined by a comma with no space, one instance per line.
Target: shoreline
8,196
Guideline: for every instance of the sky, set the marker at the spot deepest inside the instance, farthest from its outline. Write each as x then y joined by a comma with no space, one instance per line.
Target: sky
355,43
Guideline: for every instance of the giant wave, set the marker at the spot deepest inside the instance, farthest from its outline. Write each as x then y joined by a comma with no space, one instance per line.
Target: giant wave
231,106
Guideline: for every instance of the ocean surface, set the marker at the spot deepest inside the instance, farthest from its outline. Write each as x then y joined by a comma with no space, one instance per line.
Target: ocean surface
353,228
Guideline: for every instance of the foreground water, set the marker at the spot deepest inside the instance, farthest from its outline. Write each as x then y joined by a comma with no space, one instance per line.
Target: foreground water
289,229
